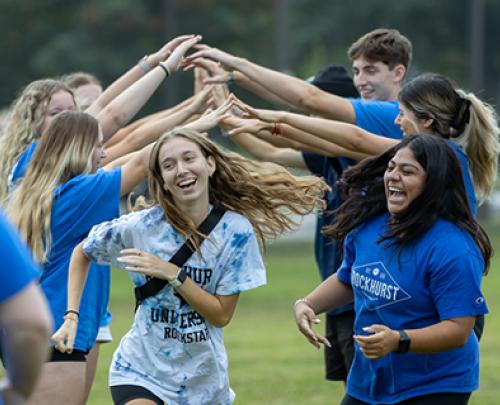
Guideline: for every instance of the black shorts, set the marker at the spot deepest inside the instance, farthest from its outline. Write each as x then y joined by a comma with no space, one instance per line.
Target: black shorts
433,399
338,358
75,355
122,394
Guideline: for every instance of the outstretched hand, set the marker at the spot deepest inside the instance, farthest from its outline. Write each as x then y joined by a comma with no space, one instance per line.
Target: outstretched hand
261,114
174,61
215,73
248,126
205,51
381,342
305,318
164,52
211,118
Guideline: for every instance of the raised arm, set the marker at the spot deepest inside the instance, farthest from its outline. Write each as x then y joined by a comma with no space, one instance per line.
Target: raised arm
345,135
294,138
217,75
128,103
151,131
135,73
122,133
299,93
264,150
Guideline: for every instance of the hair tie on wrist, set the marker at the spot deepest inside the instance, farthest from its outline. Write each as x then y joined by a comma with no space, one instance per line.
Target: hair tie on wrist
72,311
165,68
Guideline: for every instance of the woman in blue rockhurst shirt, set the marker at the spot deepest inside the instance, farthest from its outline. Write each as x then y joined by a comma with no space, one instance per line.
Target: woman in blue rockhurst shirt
413,262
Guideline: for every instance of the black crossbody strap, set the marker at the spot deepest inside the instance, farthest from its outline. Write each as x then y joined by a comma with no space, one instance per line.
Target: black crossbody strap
154,285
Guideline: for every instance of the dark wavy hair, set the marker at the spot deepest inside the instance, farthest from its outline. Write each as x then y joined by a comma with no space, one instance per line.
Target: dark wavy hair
443,196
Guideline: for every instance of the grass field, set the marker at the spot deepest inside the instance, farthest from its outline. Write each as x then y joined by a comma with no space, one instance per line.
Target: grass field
269,361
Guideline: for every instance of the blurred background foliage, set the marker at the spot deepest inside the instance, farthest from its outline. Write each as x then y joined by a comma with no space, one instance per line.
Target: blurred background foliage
43,38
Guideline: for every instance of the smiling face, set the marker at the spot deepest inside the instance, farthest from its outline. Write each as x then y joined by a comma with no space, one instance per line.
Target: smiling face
186,172
375,81
60,101
404,181
410,124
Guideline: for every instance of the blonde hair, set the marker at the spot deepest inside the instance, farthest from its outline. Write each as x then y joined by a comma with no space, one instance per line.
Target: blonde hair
265,193
462,118
65,150
25,124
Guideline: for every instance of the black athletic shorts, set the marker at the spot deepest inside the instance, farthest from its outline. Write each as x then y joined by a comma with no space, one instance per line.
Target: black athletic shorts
433,399
122,394
338,358
75,355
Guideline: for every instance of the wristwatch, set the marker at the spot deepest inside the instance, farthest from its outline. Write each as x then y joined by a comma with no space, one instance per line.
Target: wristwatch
179,278
404,342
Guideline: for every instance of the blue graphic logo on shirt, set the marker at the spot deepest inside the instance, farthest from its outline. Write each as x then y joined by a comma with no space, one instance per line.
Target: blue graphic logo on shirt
377,285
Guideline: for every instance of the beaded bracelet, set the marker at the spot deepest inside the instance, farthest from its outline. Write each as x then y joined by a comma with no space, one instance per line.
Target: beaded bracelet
303,301
276,131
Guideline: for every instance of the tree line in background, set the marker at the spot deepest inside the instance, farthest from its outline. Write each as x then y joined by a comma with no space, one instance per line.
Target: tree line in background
44,38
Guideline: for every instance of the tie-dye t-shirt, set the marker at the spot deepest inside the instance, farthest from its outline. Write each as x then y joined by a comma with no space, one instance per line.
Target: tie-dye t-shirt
172,350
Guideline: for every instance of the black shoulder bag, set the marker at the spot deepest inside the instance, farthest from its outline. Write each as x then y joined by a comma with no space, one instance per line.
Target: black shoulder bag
154,285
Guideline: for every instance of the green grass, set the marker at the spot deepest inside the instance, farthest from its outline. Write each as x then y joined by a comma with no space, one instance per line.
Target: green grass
269,361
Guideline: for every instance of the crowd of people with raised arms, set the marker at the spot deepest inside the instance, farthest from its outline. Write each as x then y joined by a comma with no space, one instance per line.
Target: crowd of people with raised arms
401,265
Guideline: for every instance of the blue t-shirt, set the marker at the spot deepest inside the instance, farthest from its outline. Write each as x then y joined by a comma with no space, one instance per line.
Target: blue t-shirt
79,204
18,268
377,117
17,173
327,250
20,167
469,187
437,277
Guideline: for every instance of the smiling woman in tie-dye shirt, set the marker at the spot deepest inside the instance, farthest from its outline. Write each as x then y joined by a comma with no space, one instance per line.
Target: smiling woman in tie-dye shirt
174,351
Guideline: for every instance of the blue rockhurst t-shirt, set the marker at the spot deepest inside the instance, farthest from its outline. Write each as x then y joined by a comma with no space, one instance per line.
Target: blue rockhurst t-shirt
437,277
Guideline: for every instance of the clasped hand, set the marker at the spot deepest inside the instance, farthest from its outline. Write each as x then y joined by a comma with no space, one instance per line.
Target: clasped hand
143,262
381,342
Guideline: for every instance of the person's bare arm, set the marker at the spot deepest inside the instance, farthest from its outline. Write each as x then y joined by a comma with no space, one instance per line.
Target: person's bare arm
290,137
26,321
216,309
151,131
217,75
297,92
122,133
264,150
348,136
117,113
134,74
443,336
